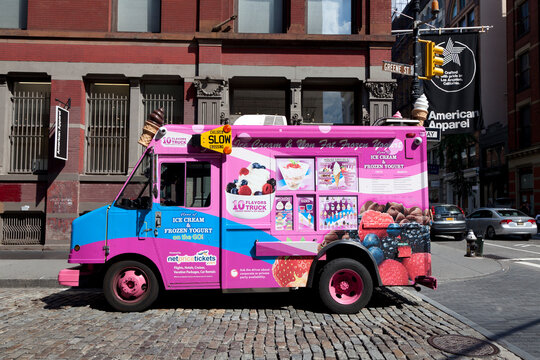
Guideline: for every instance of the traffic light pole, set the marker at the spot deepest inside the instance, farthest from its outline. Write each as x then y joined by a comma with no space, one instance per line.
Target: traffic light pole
416,89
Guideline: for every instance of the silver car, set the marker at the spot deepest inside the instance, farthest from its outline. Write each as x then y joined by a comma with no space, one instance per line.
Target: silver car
492,222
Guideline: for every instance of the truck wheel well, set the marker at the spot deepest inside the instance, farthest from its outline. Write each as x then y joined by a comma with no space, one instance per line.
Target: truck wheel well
135,257
348,251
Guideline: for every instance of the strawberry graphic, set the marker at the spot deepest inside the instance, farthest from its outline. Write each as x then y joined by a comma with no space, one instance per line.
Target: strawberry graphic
291,271
374,222
244,190
243,171
418,264
267,189
393,273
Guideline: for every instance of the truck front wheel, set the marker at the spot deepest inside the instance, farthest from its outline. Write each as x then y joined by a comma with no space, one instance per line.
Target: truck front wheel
345,286
130,286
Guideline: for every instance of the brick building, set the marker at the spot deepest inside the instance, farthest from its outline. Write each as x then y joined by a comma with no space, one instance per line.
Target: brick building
205,61
523,51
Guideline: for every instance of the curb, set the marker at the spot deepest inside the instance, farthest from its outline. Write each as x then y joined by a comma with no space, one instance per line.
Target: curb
488,334
30,283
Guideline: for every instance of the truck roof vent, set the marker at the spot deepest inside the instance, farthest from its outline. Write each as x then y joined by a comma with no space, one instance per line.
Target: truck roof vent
261,120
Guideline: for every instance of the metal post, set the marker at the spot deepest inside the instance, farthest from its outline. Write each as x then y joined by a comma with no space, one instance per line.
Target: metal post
416,90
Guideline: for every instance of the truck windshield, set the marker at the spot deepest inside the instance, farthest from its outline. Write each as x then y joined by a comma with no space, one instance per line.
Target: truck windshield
136,192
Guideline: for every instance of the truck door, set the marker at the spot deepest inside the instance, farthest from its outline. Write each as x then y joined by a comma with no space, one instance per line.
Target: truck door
187,222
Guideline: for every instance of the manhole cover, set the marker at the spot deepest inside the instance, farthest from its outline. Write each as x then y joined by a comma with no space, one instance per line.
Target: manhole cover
463,345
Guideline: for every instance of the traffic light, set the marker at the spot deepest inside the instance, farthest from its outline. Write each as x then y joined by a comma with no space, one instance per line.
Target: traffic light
433,60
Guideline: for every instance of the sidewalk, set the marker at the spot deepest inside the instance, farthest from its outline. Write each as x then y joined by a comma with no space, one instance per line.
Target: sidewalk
40,268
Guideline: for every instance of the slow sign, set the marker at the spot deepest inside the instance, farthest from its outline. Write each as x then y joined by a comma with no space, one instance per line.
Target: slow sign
219,139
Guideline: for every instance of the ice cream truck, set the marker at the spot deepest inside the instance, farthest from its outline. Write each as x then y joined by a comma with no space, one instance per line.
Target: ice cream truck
339,209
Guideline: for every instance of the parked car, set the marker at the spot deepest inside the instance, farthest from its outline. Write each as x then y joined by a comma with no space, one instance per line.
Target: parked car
448,219
492,222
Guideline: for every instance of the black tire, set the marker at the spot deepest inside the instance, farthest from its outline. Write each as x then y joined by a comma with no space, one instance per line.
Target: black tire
345,286
526,237
130,286
490,233
458,237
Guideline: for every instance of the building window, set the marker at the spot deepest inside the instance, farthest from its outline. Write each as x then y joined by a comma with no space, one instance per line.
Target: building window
29,133
260,16
523,71
470,18
329,107
139,15
13,14
107,129
462,4
524,130
259,96
22,228
463,22
523,19
454,10
166,96
329,17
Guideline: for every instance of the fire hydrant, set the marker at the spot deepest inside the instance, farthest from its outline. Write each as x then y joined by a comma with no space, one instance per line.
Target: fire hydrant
479,245
471,243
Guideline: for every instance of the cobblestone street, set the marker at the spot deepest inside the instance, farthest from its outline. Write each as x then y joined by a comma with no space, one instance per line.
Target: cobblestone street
78,324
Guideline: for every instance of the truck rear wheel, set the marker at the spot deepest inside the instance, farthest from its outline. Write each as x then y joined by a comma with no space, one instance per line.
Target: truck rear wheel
130,286
345,286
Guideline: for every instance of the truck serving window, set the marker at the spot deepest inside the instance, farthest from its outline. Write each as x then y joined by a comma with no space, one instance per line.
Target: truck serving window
185,184
136,193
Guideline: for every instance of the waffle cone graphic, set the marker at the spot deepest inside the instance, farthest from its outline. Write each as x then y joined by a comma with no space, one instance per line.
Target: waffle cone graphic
151,126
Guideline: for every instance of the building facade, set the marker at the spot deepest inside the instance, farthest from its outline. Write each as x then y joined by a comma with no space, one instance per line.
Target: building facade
523,54
206,62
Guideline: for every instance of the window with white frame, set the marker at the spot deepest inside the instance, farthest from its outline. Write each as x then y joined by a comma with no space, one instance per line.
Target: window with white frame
107,129
260,16
328,106
29,130
13,14
524,69
166,96
329,17
139,15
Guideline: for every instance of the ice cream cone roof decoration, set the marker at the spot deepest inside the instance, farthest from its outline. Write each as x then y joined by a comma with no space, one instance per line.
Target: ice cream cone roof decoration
421,103
397,115
156,116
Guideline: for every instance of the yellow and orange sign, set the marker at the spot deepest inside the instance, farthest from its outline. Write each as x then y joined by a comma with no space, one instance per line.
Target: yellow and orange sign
219,139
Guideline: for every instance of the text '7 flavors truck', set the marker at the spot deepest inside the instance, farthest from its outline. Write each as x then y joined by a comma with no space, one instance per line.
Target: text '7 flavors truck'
335,208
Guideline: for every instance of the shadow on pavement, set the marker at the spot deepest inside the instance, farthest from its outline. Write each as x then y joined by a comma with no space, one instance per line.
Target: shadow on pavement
302,299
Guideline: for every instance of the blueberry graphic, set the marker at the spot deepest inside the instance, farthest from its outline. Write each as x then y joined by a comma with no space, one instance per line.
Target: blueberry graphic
389,247
371,240
377,253
234,191
258,193
235,181
417,236
393,229
256,165
272,182
230,186
244,182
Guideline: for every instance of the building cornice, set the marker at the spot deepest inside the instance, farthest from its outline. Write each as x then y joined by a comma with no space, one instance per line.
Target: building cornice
379,39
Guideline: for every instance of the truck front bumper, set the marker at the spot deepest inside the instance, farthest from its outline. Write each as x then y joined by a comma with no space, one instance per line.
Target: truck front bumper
69,277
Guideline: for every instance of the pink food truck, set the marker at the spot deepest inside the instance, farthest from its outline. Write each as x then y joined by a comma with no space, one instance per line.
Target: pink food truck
338,209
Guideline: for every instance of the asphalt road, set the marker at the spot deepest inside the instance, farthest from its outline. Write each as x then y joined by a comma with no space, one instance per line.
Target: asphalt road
505,302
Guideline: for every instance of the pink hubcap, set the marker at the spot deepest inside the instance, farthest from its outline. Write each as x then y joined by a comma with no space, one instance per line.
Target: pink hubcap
130,284
346,286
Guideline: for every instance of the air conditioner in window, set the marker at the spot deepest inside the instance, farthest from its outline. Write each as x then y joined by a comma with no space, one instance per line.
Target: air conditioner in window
39,165
261,120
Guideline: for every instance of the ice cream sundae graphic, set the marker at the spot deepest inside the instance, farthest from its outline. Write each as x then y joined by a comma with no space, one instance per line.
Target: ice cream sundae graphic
293,173
250,195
